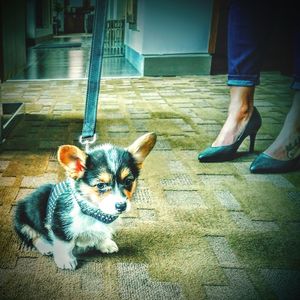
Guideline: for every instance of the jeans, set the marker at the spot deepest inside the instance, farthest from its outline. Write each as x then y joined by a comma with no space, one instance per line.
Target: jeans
250,23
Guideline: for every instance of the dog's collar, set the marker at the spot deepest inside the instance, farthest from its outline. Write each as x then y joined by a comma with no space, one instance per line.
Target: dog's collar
87,209
96,213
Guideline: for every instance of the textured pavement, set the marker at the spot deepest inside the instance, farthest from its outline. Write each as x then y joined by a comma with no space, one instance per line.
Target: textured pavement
196,231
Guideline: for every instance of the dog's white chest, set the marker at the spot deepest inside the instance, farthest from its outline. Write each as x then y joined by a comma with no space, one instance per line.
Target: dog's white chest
89,231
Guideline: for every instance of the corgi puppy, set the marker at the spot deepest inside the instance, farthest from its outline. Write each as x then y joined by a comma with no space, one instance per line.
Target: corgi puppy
82,211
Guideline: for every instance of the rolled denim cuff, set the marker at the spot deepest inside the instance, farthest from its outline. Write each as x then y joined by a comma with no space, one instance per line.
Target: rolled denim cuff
296,84
235,82
238,80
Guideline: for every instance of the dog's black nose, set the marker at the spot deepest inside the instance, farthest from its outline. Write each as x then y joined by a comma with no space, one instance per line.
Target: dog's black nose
121,206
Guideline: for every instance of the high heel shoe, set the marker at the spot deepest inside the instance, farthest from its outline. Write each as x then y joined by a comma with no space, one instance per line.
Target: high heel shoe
224,153
266,164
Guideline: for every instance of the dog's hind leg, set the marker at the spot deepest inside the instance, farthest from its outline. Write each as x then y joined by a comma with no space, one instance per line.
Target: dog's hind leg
43,246
26,233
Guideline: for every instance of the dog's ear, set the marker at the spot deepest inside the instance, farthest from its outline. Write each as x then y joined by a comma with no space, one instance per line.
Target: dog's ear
141,147
72,159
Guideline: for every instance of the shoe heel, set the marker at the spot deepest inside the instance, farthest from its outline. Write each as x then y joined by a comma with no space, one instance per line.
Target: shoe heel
252,142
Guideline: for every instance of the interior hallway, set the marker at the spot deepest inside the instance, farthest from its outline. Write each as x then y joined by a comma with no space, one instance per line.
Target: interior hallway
67,57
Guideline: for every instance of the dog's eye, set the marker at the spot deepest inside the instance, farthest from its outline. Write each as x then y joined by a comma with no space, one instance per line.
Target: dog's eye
128,182
102,186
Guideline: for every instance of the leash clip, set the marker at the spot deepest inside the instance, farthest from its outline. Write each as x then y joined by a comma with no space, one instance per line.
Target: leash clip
87,141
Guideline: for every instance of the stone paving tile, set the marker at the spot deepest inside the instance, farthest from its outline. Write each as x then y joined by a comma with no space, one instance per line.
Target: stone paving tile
64,281
140,115
162,144
140,125
242,167
36,181
52,167
118,135
23,192
245,223
227,200
118,128
135,284
293,226
176,166
222,250
216,180
166,155
200,121
177,180
8,247
284,283
294,196
92,277
142,196
277,180
3,165
7,181
183,125
185,199
190,113
147,215
129,221
7,195
239,287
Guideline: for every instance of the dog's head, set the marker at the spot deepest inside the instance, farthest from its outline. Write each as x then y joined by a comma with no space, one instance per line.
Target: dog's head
107,175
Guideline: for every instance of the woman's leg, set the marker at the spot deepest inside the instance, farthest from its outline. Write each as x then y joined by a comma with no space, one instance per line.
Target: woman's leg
248,29
283,155
287,144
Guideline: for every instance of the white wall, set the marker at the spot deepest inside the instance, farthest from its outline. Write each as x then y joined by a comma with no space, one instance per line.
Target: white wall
134,38
171,27
116,10
30,19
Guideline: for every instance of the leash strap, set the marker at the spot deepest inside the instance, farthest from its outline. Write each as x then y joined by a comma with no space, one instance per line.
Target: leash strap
88,135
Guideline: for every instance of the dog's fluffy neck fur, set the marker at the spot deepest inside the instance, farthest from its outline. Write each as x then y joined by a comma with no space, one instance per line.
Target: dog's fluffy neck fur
69,186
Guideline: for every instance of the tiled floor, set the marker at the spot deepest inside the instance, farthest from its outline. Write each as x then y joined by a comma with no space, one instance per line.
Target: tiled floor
69,62
196,231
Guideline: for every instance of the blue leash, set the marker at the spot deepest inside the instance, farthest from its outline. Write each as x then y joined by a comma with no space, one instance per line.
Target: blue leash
88,135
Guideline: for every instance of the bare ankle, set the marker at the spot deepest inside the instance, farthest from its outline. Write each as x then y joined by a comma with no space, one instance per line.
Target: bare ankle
241,102
240,110
244,93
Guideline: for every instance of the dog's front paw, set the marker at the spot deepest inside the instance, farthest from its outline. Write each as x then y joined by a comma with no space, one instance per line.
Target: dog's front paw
66,262
44,247
108,246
